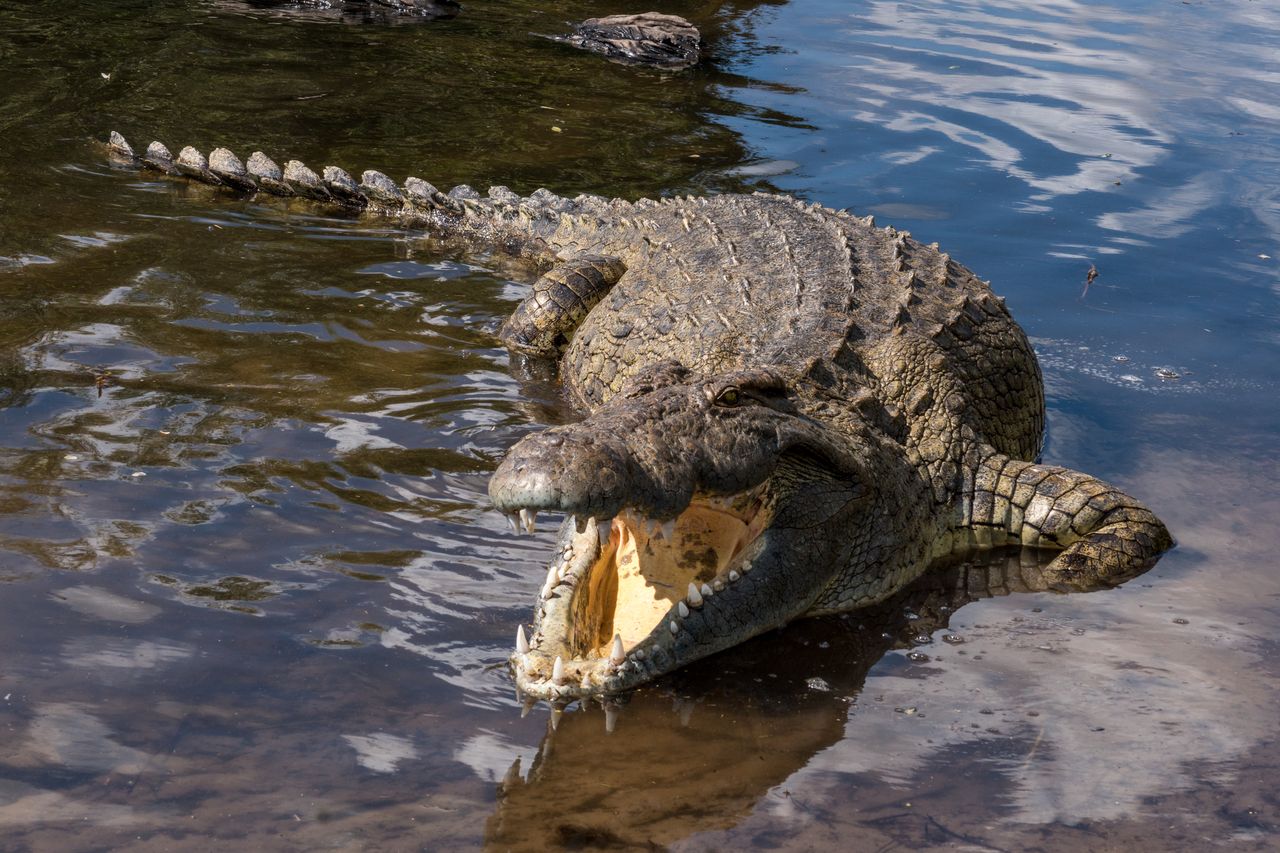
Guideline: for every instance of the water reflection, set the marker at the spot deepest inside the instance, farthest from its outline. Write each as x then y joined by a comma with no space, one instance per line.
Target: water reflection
718,737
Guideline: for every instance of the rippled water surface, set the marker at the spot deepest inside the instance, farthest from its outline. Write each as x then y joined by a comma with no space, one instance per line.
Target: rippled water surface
254,596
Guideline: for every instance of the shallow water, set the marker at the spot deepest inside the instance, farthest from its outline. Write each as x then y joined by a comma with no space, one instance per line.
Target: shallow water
254,593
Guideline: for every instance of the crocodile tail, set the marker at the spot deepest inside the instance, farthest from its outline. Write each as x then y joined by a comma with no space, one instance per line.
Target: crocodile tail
1105,536
415,200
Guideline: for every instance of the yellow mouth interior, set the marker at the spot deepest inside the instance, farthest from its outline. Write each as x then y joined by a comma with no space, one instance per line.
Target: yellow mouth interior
639,577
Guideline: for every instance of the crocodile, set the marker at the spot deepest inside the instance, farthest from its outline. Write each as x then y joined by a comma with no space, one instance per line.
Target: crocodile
786,411
648,38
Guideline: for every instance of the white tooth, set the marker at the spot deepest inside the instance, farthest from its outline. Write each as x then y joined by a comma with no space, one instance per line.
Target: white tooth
522,644
707,591
717,585
552,578
557,671
586,681
674,626
682,609
555,718
694,597
616,654
527,707
528,518
669,530
610,719
733,576
513,521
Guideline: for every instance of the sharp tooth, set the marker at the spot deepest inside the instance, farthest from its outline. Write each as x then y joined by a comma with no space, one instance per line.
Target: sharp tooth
557,671
555,718
606,530
522,644
528,518
527,707
694,597
586,681
733,576
616,654
610,718
707,591
682,609
669,530
717,585
552,578
674,626
513,520
653,529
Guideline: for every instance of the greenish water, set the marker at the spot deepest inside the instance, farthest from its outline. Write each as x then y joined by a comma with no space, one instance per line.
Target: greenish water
254,596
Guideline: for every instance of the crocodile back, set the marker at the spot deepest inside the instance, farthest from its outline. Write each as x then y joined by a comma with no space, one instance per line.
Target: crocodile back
737,281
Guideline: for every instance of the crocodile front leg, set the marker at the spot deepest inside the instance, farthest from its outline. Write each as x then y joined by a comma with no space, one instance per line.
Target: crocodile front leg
1106,535
544,322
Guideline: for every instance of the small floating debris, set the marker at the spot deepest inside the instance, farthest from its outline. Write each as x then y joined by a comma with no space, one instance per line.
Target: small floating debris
953,639
819,684
1180,621
1167,374
918,657
1120,359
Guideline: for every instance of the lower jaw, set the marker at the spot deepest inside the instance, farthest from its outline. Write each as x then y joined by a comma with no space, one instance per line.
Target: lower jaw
634,590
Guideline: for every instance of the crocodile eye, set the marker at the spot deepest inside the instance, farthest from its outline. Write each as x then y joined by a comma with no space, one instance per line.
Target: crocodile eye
730,396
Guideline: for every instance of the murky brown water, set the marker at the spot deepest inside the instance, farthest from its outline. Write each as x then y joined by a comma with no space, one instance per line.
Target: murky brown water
254,596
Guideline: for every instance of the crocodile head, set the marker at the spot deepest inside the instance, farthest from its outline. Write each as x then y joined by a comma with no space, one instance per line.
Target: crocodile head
700,513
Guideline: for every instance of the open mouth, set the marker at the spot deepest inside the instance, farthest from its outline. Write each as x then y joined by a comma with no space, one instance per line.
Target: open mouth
620,592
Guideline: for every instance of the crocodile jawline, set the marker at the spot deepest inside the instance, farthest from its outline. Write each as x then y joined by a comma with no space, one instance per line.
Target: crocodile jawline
621,587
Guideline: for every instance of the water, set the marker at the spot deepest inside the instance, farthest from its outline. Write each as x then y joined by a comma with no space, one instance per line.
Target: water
254,596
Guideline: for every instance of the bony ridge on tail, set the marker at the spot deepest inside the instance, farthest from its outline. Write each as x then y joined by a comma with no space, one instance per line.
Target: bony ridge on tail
786,411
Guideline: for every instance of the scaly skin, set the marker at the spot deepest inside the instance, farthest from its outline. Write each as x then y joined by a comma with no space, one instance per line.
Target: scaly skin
814,409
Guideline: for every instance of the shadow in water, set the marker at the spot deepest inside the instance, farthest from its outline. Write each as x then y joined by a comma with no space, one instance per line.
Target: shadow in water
699,751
